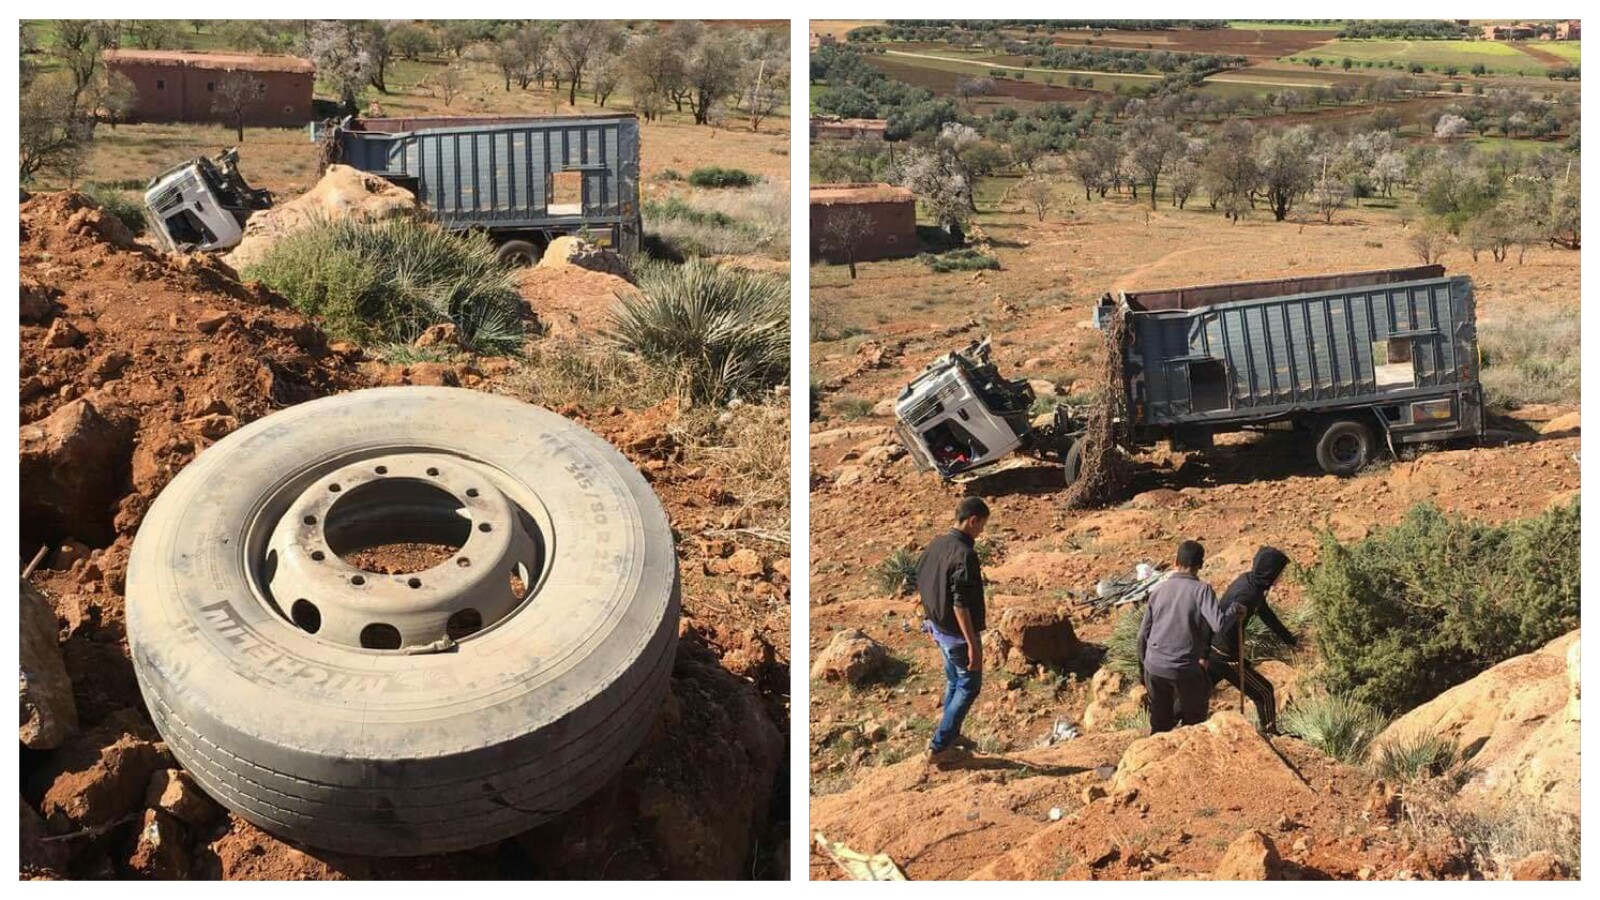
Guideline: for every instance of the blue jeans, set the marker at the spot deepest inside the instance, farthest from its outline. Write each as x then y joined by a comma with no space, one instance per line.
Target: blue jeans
961,688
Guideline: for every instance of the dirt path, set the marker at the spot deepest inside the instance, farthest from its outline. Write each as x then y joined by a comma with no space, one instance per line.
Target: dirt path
1131,278
1542,55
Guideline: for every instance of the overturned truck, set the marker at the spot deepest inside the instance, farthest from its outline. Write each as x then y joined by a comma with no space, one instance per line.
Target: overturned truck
522,180
1354,362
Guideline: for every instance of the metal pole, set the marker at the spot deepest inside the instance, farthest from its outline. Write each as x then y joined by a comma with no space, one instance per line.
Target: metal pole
1241,665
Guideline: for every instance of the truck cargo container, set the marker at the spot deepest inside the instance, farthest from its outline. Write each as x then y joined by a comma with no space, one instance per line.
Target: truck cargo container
524,181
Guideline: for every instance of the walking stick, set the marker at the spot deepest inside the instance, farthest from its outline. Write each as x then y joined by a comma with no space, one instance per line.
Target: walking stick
1241,665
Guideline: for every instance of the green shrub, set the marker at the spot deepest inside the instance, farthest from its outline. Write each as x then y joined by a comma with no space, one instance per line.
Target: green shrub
718,331
1122,647
127,206
749,222
849,407
898,573
1429,603
965,259
384,283
1337,725
720,177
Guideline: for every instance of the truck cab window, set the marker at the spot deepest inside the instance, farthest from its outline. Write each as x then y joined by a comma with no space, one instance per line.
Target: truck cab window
1391,363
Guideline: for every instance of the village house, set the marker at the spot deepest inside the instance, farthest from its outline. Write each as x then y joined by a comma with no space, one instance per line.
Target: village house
181,86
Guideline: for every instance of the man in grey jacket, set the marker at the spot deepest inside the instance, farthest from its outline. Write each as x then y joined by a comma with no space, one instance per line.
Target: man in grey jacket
1174,637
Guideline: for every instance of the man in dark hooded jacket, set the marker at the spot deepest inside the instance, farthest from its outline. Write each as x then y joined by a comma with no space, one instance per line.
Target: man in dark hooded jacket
1250,592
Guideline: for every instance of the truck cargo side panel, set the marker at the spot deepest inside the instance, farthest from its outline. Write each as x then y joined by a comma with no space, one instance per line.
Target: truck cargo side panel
1301,353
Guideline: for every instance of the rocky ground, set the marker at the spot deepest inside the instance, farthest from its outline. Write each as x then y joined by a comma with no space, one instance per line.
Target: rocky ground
133,362
875,693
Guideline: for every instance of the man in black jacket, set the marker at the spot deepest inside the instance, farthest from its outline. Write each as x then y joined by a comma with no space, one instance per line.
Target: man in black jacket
1249,591
950,581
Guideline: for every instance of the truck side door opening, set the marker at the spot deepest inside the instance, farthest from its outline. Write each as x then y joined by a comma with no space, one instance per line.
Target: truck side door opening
566,193
1391,364
1208,385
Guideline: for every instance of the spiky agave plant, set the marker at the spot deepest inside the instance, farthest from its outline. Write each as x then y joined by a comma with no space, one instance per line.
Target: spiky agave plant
1337,724
386,282
720,331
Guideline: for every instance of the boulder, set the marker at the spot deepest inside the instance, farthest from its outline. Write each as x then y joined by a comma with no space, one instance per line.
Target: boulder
36,302
94,781
884,408
1044,636
1540,865
175,792
1513,721
342,193
49,712
851,656
1251,857
1113,696
72,464
158,849
575,252
1563,424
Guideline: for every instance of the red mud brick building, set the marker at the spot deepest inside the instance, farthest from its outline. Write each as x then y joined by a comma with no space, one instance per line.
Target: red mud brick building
825,128
180,86
893,211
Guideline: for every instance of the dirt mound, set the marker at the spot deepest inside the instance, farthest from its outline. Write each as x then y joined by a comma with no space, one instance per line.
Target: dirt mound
1518,724
170,354
1122,806
568,252
571,301
343,193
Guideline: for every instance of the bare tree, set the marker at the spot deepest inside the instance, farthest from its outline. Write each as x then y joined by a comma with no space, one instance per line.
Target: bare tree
654,70
1284,160
450,80
576,45
766,76
844,232
1037,193
339,51
1428,243
378,38
968,89
237,93
1152,145
49,127
712,73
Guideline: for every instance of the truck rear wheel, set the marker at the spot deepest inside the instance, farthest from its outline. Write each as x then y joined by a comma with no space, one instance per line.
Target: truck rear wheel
1344,447
1072,460
519,253
404,708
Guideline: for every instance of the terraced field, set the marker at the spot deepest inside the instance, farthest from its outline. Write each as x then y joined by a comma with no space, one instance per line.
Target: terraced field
1496,56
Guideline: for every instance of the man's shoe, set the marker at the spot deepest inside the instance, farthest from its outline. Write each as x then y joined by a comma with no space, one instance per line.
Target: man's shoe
939,759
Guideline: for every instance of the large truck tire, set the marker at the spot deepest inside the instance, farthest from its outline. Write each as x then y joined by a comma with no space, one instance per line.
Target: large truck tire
519,253
416,712
1344,447
1072,460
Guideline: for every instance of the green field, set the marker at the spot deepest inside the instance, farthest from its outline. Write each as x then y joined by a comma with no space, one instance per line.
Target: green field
1498,57
980,65
1567,50
1247,25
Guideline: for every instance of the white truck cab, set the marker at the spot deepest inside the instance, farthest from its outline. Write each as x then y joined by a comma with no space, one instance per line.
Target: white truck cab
202,204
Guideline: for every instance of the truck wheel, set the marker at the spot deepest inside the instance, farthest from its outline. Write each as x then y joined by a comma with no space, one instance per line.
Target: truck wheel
1344,447
421,705
519,253
1072,460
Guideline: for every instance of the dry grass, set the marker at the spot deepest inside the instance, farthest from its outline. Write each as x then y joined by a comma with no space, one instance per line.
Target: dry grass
1532,358
1497,834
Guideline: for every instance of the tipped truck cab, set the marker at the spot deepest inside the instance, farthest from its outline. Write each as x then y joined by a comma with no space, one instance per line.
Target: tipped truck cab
202,204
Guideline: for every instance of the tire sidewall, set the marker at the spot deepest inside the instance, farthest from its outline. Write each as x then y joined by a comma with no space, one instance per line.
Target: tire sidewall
1332,434
203,642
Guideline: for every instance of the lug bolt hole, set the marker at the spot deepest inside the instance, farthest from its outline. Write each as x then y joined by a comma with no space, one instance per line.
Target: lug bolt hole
382,470
358,579
432,472
310,520
333,488
463,562
472,492
485,526
414,582
318,555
